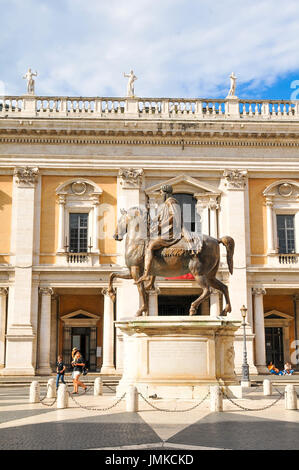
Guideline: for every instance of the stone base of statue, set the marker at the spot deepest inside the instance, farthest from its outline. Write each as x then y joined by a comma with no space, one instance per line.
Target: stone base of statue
178,356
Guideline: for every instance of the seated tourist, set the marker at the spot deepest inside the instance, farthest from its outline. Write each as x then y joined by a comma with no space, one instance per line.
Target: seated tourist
273,370
288,369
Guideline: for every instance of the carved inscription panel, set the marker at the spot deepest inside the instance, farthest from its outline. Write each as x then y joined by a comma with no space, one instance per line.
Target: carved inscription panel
178,358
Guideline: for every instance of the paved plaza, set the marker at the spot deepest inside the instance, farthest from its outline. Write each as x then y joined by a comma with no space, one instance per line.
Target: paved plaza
41,426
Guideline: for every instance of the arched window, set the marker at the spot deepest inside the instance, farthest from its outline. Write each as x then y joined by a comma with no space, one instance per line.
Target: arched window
189,214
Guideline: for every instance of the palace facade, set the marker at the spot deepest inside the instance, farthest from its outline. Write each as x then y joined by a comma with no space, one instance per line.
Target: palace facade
67,168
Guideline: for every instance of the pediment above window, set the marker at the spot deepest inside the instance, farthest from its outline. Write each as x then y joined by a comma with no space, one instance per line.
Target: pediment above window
276,314
185,184
80,318
79,187
282,190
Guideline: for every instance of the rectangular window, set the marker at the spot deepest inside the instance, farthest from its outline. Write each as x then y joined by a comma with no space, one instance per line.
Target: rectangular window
78,233
286,233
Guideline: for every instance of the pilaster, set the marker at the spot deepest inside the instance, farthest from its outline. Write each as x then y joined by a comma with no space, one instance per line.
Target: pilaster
21,334
235,184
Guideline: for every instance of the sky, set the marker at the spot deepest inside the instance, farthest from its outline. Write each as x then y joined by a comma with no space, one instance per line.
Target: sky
177,48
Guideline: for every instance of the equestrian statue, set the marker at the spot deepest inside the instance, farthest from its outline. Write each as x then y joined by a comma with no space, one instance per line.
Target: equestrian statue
164,247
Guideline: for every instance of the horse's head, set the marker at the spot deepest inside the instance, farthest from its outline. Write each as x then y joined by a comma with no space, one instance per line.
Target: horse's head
121,228
133,222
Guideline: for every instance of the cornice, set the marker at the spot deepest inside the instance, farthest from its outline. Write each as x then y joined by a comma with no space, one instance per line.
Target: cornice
200,141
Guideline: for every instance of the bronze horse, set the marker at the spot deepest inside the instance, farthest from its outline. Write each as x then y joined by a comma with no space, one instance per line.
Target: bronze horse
202,266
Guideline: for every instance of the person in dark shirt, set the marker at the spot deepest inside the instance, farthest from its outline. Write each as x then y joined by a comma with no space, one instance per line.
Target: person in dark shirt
60,369
78,364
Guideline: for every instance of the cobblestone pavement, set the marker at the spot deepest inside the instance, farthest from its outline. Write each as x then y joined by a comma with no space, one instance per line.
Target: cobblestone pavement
25,426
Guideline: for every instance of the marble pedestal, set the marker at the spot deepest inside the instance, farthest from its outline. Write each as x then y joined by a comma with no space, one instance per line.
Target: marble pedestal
177,356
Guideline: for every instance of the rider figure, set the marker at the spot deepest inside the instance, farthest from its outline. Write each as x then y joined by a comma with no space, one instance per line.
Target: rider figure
167,231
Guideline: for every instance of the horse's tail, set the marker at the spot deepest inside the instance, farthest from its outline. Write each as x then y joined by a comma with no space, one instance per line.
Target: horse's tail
229,244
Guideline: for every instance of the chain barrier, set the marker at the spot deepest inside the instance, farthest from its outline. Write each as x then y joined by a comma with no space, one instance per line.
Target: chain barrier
165,410
173,411
244,408
42,399
91,408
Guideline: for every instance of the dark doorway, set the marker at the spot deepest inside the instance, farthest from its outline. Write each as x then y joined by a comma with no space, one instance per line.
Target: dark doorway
81,340
176,304
274,346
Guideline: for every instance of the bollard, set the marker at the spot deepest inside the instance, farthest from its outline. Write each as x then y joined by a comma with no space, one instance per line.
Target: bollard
51,389
216,399
267,387
98,386
132,399
34,395
290,398
62,396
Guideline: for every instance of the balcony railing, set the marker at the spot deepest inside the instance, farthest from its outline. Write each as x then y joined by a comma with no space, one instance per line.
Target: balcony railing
147,108
284,260
77,258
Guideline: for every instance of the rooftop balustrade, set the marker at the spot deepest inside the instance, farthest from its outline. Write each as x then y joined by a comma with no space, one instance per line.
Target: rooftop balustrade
147,108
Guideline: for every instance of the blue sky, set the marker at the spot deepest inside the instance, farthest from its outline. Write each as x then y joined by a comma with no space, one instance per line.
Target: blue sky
177,48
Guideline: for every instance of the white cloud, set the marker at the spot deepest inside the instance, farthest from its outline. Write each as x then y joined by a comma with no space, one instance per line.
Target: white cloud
176,47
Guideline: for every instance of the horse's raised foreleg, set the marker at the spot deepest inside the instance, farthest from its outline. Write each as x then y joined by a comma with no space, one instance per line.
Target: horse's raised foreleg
202,281
224,289
150,285
144,302
113,276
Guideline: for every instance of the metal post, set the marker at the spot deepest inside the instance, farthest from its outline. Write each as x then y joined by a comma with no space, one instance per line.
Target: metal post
245,382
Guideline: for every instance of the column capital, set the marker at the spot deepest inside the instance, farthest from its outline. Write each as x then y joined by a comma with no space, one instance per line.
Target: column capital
61,199
46,291
105,292
259,291
131,178
235,179
155,291
26,176
3,291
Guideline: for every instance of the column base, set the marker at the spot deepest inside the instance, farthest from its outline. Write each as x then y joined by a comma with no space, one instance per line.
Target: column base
17,372
44,371
262,369
108,370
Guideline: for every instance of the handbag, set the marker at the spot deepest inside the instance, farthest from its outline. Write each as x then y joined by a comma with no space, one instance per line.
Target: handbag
84,371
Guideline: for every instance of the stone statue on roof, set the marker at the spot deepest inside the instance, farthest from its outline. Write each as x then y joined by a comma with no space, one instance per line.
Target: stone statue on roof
130,86
232,90
30,81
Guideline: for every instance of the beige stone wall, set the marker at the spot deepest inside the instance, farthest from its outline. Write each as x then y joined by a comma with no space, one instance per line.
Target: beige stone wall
258,218
50,217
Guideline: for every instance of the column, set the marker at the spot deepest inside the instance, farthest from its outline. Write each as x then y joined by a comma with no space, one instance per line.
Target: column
213,219
44,367
203,211
153,301
54,331
61,223
108,335
296,311
3,297
21,333
214,303
259,329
